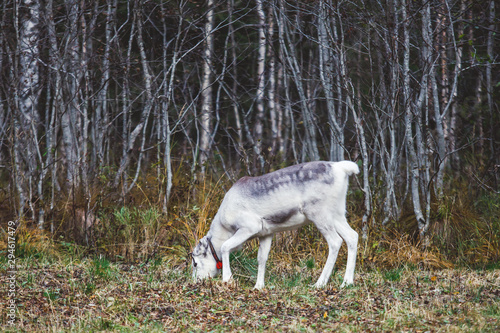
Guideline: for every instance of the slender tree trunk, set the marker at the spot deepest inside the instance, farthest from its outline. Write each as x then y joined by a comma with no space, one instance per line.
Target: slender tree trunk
421,112
310,148
101,116
288,114
234,70
489,85
326,73
410,119
386,115
56,65
140,128
261,78
361,138
148,103
126,124
272,104
27,120
168,88
340,112
440,103
85,93
206,89
70,110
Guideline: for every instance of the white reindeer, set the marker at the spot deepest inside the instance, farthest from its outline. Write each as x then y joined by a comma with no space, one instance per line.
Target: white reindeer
285,199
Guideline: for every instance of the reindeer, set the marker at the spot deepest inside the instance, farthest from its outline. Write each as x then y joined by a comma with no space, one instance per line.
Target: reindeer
285,199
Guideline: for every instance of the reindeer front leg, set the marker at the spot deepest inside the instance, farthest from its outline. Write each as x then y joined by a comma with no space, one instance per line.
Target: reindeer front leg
240,237
264,247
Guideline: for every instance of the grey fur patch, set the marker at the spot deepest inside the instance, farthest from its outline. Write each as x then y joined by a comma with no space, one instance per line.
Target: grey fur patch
281,217
297,175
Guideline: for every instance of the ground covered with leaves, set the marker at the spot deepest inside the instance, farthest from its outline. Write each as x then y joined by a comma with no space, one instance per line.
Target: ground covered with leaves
98,295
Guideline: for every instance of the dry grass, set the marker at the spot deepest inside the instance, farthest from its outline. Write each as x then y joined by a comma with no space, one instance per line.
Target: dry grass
95,295
192,218
400,250
30,242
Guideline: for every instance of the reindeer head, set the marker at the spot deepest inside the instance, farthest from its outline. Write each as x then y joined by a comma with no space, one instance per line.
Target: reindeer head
204,262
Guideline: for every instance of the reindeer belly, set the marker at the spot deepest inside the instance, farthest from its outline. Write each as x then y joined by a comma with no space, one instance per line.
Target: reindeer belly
283,220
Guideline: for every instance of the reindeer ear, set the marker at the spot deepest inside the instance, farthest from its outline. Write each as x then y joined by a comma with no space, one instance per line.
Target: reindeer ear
204,242
201,248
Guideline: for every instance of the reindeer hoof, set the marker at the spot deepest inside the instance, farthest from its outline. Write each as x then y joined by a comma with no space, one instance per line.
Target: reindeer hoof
346,284
318,285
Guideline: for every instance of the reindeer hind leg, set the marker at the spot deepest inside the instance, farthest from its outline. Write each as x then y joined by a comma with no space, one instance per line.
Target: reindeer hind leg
324,224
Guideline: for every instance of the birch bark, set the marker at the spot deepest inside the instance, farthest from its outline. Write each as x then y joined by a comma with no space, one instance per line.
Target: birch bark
327,73
70,110
100,121
206,89
168,85
27,120
271,91
259,98
288,114
234,71
489,82
414,167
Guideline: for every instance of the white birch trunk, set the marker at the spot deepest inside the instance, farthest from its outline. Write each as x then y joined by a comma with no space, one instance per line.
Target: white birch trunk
168,86
327,73
234,69
259,98
70,110
27,121
206,89
55,64
272,104
489,82
409,121
289,134
101,118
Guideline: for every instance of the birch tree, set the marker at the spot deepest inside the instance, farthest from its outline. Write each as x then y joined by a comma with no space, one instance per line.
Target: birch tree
275,112
205,142
54,90
140,128
489,79
328,66
259,98
166,129
70,109
234,73
414,144
27,121
101,119
384,93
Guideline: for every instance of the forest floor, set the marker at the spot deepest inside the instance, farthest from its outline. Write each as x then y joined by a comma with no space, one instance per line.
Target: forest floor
94,294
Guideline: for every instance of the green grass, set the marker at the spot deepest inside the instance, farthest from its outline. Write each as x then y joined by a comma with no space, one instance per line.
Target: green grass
100,295
393,275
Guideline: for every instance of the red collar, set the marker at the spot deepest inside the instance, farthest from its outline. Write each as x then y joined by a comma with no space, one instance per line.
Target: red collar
217,260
